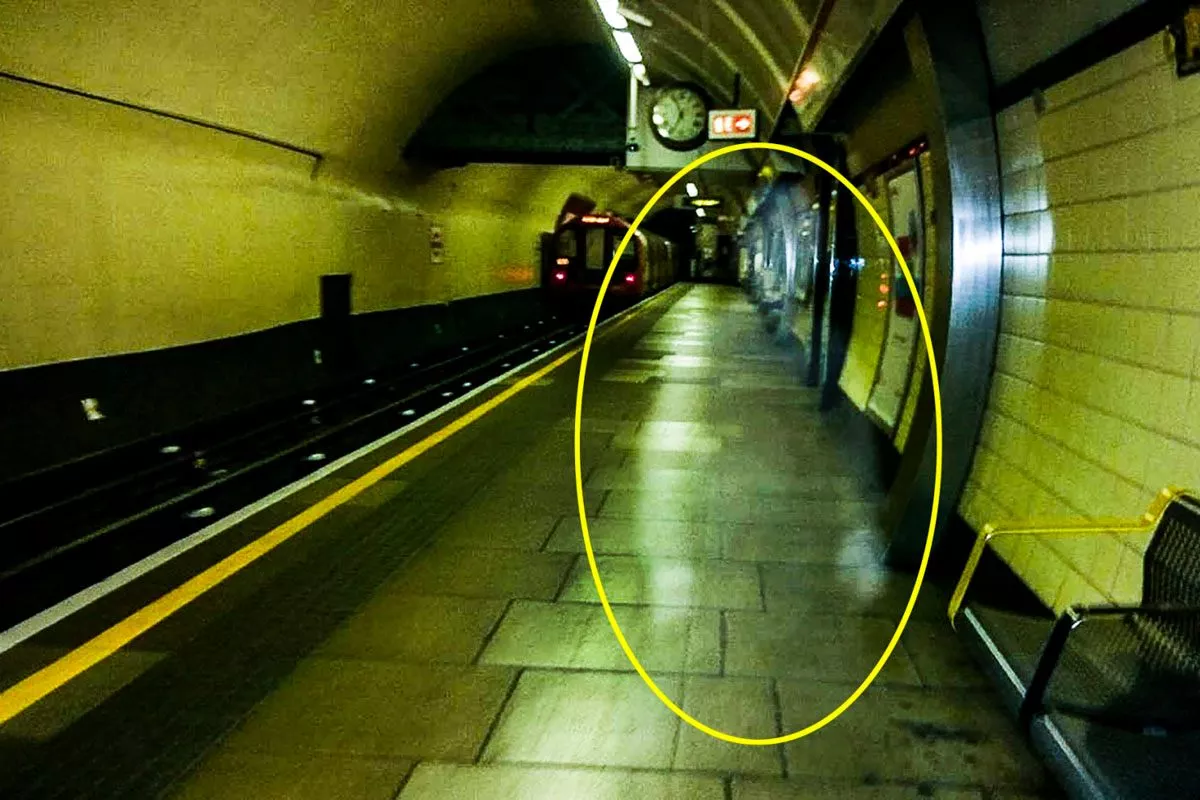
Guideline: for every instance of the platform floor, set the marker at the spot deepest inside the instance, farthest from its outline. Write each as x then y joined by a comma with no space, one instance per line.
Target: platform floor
440,636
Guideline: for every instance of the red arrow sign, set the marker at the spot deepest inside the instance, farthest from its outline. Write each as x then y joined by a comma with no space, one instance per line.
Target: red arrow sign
737,124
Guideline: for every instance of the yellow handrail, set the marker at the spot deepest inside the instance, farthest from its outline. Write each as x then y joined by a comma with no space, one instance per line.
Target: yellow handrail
1148,522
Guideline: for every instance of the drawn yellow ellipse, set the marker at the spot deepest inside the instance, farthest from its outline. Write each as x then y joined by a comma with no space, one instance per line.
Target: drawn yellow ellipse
937,481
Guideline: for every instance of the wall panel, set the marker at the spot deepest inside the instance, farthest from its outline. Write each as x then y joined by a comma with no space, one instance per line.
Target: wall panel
1096,399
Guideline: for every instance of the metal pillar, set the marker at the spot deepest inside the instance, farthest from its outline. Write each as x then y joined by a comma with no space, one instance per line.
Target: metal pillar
820,277
842,289
945,45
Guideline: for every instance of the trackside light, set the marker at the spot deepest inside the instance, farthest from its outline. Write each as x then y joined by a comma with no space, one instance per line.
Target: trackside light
562,262
628,46
560,275
699,212
630,278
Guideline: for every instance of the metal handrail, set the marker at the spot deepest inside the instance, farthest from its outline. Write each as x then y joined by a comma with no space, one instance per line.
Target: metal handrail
1146,524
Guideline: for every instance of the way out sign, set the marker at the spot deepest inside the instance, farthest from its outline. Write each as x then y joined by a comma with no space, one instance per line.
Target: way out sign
739,124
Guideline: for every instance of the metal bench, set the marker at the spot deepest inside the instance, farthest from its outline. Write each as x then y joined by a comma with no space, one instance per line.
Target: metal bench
1109,694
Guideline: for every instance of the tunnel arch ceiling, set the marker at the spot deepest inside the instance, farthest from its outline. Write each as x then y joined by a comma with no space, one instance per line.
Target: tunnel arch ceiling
716,43
351,81
563,104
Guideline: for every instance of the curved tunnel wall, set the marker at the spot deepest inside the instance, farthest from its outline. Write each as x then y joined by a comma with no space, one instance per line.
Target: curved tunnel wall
124,231
152,217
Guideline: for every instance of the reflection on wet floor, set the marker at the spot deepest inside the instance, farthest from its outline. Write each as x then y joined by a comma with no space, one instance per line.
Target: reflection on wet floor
736,534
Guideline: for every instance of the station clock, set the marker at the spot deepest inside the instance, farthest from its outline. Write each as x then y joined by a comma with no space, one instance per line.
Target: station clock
679,116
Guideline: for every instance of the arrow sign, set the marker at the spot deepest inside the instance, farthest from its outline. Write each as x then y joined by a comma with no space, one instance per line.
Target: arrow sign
733,124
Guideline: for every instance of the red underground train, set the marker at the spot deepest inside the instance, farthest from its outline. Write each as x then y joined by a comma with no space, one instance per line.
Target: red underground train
582,247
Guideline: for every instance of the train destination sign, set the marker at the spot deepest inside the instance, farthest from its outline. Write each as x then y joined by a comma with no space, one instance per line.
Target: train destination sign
733,124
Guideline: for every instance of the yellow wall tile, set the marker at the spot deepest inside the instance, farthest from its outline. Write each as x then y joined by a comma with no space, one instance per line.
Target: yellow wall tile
1095,403
1138,57
1106,563
1127,584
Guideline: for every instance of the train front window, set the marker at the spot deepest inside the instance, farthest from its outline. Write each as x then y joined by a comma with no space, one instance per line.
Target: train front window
595,248
568,244
629,260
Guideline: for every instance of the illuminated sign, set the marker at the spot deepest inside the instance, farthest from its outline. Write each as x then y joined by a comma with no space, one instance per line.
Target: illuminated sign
588,218
739,124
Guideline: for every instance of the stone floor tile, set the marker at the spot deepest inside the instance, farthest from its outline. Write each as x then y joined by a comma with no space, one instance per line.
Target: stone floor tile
603,719
871,590
593,423
738,706
474,531
939,655
902,734
641,537
675,437
235,774
819,647
578,636
416,629
483,573
469,782
744,508
846,548
502,505
747,481
667,582
378,709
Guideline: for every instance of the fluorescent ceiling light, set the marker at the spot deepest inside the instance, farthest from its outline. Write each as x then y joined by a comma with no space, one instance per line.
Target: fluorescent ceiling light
628,46
633,16
808,78
692,190
611,14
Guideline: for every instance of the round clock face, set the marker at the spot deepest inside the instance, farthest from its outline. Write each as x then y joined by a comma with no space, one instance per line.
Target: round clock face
679,117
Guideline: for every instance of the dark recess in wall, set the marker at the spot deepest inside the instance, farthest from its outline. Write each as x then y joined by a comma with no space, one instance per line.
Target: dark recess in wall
149,394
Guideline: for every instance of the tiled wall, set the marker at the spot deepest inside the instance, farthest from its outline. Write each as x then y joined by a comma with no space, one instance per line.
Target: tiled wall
1095,404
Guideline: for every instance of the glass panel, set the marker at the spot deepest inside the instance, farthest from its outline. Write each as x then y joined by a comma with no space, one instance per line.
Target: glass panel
595,248
629,257
568,244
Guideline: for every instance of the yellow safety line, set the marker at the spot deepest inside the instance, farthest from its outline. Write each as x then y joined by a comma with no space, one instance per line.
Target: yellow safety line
22,695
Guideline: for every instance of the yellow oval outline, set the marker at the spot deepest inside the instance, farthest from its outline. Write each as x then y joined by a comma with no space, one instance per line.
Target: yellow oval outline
937,480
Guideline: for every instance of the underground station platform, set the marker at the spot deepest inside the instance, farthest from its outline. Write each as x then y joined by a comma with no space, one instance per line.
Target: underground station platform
423,622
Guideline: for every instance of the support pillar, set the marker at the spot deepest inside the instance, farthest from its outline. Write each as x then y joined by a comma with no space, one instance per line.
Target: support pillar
945,45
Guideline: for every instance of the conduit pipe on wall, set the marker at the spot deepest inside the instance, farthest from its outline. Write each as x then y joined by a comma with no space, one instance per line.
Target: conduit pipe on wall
157,112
